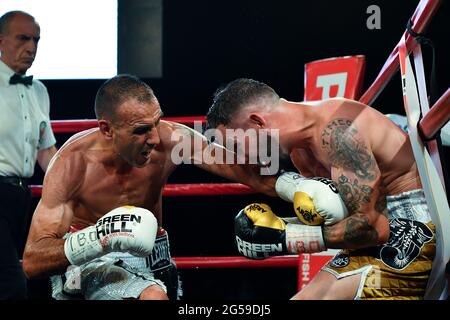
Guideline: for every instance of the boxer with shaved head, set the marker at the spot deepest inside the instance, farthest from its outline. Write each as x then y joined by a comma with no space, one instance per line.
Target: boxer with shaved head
383,225
97,230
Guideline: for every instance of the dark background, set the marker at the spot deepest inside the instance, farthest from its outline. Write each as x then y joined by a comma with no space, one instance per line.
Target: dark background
206,44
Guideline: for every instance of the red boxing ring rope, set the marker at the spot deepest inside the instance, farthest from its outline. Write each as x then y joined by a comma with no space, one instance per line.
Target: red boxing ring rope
436,118
189,190
69,126
235,262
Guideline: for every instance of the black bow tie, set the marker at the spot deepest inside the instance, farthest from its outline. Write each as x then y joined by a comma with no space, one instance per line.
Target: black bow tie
17,78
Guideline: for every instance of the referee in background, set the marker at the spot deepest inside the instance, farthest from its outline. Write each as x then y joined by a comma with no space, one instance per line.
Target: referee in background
25,136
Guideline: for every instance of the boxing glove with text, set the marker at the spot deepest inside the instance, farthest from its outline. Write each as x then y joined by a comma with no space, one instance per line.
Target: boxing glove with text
124,229
259,234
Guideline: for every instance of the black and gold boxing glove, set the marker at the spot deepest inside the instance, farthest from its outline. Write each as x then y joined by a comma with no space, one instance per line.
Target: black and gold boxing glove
261,234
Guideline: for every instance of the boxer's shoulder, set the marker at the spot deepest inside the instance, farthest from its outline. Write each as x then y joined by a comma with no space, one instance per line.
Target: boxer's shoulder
170,127
83,140
166,129
174,132
71,157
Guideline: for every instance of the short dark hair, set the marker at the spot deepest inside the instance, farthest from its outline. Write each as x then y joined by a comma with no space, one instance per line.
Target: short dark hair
235,96
119,89
6,18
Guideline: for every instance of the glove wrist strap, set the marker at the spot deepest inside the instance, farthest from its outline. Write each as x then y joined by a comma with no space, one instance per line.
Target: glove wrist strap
304,239
83,246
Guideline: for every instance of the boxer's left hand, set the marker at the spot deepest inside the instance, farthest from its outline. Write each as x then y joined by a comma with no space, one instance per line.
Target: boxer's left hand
261,234
316,201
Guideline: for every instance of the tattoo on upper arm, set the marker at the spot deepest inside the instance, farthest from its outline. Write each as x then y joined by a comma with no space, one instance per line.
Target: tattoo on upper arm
353,193
339,137
359,231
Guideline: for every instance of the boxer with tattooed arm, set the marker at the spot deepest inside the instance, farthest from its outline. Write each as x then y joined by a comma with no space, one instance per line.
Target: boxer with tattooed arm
387,237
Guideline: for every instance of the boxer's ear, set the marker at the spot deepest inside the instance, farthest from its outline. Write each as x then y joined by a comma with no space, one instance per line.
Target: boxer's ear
105,128
258,120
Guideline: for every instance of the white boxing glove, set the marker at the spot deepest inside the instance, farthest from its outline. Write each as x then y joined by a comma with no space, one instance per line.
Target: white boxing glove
124,229
316,200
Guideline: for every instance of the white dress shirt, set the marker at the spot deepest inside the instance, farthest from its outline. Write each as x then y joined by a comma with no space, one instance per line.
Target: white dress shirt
24,124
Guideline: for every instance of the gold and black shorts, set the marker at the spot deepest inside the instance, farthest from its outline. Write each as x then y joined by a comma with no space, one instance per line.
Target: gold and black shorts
400,268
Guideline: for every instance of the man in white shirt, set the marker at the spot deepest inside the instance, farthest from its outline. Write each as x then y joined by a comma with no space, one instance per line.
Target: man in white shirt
25,136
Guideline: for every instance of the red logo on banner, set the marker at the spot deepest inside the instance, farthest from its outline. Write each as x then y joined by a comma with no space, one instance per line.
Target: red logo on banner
309,266
334,77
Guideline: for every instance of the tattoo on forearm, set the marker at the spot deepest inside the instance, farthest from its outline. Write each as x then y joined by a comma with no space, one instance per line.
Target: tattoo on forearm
381,205
359,231
352,193
330,234
345,150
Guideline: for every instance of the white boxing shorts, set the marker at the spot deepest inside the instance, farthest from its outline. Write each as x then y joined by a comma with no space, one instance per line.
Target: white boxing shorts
118,276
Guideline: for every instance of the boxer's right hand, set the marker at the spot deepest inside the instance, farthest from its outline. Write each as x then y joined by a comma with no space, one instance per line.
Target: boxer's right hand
316,200
124,229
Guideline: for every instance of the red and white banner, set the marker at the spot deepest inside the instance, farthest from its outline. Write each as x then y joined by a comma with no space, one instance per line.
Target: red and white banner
310,265
334,77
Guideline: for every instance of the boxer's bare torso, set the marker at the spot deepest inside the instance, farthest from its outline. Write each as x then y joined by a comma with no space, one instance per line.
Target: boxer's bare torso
100,182
390,145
